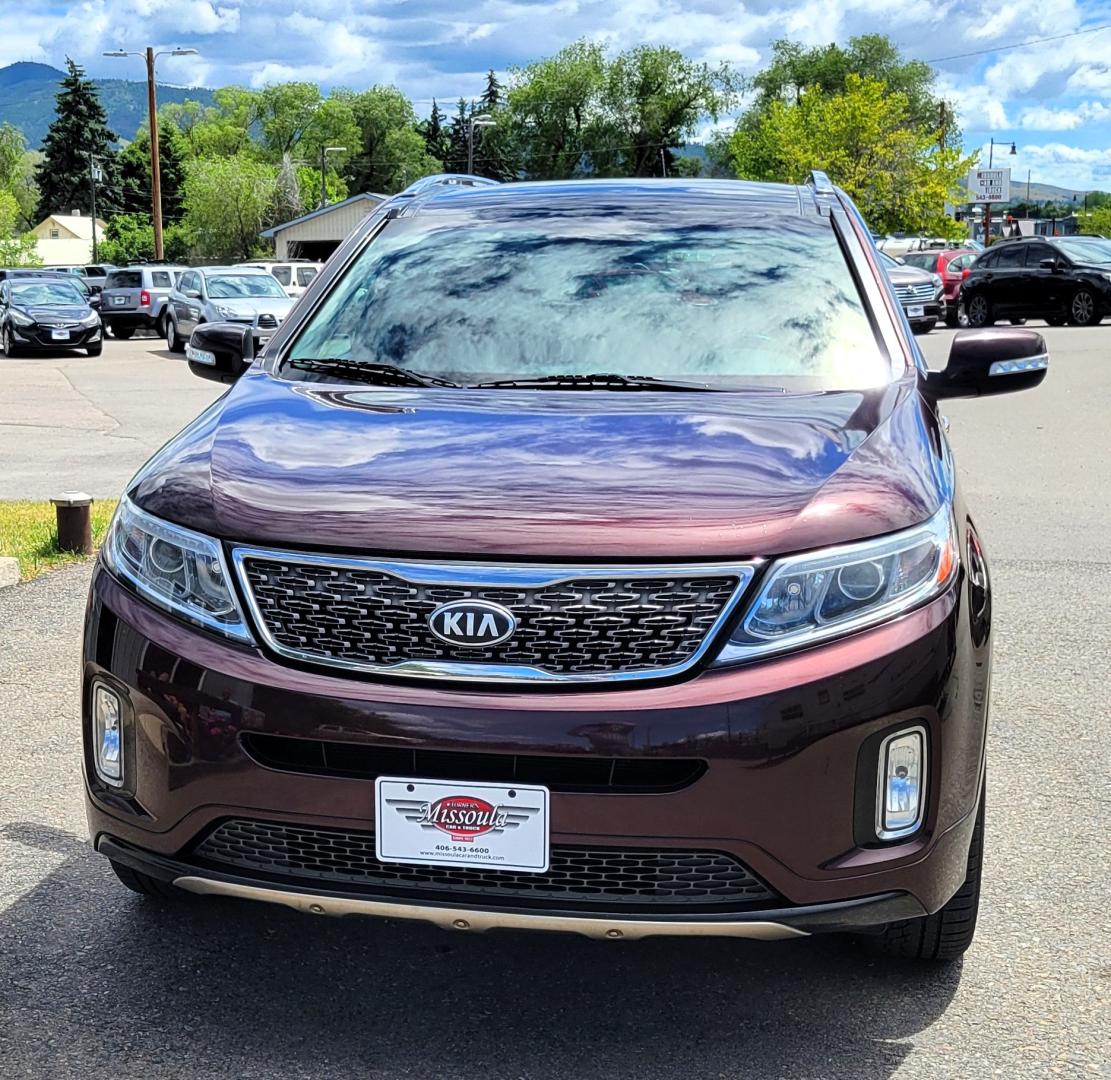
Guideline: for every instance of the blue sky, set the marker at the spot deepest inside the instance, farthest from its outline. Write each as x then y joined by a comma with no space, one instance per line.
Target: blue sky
1053,99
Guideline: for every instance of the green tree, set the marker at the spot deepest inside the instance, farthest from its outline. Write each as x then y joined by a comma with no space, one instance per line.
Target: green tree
296,120
79,129
456,160
653,99
554,110
435,134
223,129
12,148
228,201
864,139
129,238
135,195
392,153
1096,222
17,246
794,68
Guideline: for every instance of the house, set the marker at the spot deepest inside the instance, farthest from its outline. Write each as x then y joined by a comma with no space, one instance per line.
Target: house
316,235
66,239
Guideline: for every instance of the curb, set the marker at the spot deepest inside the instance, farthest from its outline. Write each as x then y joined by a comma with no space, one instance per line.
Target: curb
9,571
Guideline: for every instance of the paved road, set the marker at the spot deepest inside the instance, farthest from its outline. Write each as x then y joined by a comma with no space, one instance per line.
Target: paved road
94,981
71,421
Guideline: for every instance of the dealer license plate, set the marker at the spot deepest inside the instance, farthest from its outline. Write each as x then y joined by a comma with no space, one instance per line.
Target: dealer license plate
916,312
443,823
59,335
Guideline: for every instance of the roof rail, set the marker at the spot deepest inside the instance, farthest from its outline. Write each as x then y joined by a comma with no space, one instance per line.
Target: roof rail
820,182
425,183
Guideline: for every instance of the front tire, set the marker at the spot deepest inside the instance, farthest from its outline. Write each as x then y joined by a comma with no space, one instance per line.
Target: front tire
173,339
948,932
145,885
977,311
1082,308
123,332
160,327
6,343
923,327
95,350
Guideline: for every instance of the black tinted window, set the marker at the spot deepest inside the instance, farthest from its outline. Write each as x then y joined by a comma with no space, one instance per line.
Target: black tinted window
538,294
1036,252
124,279
1009,257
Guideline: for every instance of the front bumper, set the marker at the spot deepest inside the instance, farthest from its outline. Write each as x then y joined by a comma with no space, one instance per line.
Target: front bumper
39,337
767,925
781,742
932,310
131,320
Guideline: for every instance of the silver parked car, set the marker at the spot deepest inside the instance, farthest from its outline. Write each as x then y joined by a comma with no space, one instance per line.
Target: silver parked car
137,298
242,294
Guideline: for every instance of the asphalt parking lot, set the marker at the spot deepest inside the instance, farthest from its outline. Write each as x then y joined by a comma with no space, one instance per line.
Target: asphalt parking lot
96,981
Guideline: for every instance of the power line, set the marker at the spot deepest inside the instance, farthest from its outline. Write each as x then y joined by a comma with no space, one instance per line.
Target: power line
1017,44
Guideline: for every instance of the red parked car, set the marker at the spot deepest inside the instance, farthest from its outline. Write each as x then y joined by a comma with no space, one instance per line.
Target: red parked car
950,266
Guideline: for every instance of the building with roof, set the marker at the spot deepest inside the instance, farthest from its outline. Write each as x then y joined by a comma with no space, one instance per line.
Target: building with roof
66,239
317,234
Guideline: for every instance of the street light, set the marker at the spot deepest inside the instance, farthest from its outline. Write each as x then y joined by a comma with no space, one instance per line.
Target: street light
482,120
152,107
991,150
324,152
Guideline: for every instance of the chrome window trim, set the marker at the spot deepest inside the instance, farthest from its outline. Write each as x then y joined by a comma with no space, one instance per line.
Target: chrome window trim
493,575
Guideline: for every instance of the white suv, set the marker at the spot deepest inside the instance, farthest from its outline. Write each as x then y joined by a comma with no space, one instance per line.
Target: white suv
292,276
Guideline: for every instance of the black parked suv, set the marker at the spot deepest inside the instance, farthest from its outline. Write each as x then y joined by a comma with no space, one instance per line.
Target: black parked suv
1056,278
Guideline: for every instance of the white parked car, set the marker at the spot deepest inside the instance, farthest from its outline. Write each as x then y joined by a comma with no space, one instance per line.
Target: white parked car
293,276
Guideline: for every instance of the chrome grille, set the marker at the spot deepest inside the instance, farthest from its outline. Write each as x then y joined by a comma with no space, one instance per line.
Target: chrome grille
908,294
573,624
575,875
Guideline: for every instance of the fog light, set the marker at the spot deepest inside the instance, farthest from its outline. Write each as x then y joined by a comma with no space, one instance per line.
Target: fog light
107,736
901,794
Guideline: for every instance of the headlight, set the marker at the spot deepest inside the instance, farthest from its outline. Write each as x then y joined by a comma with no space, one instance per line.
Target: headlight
936,279
811,598
91,319
224,312
176,568
20,319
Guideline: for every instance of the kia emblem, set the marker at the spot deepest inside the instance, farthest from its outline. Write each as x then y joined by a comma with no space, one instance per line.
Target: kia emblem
472,623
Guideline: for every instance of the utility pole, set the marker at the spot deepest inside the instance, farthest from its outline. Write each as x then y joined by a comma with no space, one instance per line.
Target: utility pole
663,162
92,189
324,152
152,107
155,166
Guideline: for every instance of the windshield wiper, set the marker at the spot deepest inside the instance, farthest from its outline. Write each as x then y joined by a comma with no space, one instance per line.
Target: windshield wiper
367,371
603,381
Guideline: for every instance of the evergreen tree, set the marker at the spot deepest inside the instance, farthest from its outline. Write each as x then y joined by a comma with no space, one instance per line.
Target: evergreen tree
134,162
455,159
80,128
435,134
492,96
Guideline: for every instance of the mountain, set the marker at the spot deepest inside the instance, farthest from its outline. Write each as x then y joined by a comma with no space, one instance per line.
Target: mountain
27,99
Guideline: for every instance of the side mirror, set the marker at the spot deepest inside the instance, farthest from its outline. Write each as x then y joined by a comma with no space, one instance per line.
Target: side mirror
191,294
983,362
1049,264
900,260
220,351
93,301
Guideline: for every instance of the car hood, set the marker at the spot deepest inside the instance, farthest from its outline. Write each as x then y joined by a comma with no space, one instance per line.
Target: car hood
907,275
67,313
550,473
258,305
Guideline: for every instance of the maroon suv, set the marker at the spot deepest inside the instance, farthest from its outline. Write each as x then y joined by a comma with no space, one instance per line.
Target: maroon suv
579,556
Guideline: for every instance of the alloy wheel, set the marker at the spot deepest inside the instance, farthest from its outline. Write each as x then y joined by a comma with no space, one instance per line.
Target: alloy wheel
1083,307
977,311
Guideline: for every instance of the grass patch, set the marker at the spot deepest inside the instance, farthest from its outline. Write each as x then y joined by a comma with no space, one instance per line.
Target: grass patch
28,530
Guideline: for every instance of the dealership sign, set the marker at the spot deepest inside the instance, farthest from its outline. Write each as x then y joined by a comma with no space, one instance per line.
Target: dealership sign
989,185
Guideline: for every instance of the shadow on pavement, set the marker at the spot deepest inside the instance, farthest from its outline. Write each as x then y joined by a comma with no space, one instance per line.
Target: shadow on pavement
100,980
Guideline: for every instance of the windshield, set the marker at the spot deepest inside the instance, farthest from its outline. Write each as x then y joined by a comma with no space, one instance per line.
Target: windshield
533,296
1092,249
234,286
45,294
